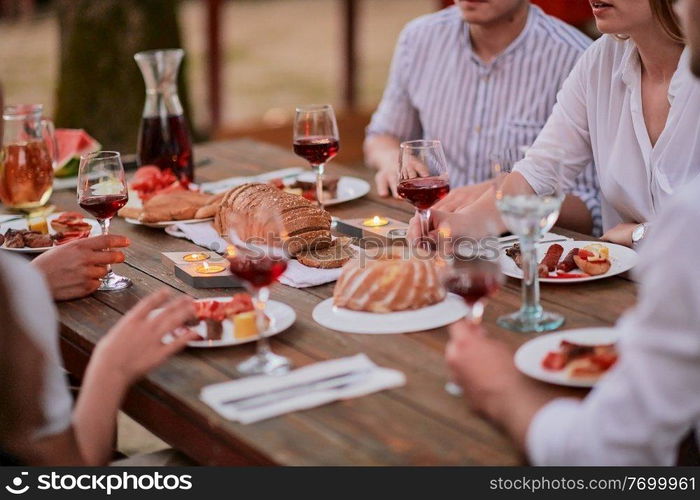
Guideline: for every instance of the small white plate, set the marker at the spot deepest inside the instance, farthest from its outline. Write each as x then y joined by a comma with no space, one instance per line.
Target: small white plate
345,320
166,223
22,224
622,259
528,359
349,188
281,317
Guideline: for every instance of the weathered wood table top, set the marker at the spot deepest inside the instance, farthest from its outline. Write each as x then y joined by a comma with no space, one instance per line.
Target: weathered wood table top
418,424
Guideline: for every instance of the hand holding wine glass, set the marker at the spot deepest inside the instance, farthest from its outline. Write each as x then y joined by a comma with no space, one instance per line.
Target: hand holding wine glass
102,191
257,256
422,178
316,139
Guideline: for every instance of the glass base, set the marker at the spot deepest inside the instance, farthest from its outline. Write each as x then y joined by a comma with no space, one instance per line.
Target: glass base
542,322
268,363
112,282
453,389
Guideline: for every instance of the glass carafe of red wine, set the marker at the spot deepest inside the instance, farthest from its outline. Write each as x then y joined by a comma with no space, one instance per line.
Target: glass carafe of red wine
164,137
27,157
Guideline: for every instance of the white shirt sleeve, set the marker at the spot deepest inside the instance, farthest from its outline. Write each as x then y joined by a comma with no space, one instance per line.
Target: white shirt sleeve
566,129
639,413
396,115
36,312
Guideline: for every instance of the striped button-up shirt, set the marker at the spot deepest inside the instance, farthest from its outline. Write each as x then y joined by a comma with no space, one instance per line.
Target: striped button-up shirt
439,88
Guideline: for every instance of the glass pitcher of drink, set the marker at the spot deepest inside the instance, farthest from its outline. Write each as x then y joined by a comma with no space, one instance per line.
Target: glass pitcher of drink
27,157
164,138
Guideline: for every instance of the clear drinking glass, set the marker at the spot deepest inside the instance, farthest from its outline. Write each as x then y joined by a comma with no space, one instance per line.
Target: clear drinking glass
528,216
257,256
102,192
473,272
422,178
316,139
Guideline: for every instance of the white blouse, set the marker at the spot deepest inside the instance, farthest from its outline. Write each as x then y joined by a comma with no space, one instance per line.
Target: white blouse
598,116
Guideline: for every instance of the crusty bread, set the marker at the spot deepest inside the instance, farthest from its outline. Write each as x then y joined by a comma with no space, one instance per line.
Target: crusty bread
307,226
592,268
333,257
177,205
130,212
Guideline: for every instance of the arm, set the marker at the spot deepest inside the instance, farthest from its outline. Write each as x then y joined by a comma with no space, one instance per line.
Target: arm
396,120
129,350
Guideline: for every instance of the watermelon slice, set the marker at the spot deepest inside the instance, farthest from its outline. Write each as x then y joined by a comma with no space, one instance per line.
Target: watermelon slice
72,143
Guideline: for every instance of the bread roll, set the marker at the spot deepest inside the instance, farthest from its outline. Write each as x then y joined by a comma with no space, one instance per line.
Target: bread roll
307,226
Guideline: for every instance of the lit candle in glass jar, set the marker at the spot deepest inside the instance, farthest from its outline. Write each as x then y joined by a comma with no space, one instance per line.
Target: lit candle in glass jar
195,257
375,221
206,268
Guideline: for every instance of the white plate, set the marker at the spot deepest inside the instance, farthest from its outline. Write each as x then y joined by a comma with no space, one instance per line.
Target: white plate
345,320
349,188
166,223
281,317
528,359
22,224
622,259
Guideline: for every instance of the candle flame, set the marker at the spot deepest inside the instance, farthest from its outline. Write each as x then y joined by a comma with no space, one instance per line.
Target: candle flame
230,251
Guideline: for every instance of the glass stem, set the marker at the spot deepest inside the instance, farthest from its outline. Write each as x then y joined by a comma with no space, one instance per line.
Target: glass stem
475,313
320,169
260,297
104,226
424,217
531,307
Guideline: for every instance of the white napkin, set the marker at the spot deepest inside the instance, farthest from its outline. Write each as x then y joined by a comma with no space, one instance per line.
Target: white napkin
545,237
368,378
297,274
226,184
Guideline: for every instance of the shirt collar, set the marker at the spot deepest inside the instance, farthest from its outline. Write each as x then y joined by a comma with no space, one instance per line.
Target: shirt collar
533,13
630,70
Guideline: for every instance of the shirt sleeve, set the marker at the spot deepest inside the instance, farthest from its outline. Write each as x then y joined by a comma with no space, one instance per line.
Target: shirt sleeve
36,312
641,410
566,130
396,115
587,189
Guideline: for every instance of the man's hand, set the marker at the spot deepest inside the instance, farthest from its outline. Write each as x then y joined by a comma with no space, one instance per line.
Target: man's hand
135,345
620,234
74,270
462,197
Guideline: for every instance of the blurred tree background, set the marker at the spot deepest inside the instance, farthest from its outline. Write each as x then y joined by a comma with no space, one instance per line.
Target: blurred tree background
99,77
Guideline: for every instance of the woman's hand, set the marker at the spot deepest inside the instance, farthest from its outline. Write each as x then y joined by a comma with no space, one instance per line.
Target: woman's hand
74,270
135,345
620,234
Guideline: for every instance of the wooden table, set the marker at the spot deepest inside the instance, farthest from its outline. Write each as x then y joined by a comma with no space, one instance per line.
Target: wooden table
418,424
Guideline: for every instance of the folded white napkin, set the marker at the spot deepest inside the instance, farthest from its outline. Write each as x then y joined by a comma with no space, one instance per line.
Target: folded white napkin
297,274
545,237
353,376
226,184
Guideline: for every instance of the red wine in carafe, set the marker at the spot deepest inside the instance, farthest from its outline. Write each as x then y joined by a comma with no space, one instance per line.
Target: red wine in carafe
166,143
424,192
103,207
316,150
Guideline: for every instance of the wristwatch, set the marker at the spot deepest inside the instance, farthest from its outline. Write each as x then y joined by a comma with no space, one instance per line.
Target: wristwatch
639,233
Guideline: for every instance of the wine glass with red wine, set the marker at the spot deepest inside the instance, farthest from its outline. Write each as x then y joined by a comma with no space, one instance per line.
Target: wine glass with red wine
423,178
473,272
257,256
316,139
102,192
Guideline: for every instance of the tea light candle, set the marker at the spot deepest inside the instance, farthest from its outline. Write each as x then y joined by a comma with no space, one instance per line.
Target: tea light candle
375,221
206,268
195,257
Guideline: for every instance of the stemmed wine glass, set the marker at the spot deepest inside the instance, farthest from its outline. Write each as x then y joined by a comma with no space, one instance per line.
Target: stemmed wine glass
102,192
316,139
257,256
528,216
473,272
422,178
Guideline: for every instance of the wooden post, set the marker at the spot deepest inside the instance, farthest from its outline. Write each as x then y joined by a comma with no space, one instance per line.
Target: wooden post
214,61
349,75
